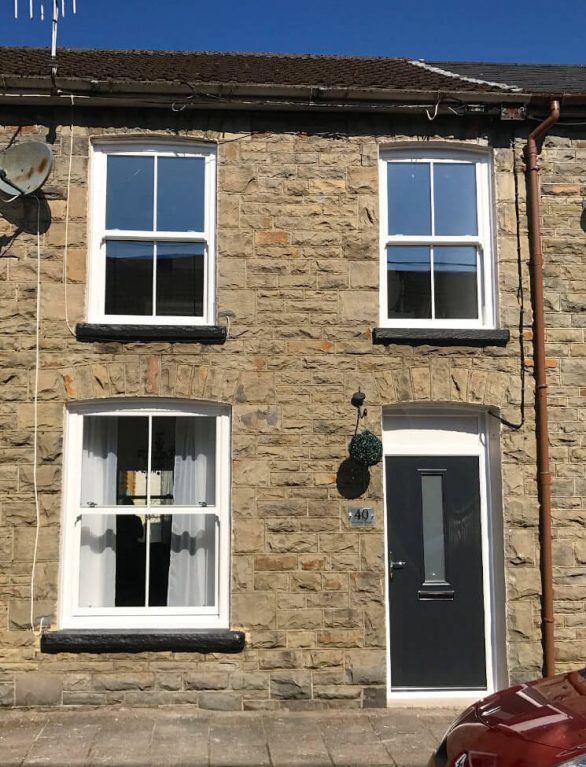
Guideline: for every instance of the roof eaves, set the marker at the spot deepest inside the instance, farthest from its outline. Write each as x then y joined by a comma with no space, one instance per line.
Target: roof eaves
133,92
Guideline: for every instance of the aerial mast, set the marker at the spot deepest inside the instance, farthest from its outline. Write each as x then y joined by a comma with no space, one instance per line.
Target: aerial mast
38,6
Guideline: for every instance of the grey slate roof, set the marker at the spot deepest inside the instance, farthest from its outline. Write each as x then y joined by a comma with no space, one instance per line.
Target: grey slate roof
196,69
200,68
554,79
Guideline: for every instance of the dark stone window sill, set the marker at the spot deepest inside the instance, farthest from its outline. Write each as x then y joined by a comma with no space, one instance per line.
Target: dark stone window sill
440,337
96,641
202,334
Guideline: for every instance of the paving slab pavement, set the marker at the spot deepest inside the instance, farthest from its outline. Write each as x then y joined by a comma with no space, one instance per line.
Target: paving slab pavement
185,737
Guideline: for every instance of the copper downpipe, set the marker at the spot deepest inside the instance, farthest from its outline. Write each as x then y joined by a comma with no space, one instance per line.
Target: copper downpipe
541,416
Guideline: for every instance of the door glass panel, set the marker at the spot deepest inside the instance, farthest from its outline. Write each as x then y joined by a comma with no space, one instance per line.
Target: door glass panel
180,279
454,199
409,198
432,504
456,282
129,277
409,282
180,194
129,194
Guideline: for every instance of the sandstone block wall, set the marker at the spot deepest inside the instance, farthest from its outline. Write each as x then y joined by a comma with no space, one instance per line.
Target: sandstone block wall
563,176
298,260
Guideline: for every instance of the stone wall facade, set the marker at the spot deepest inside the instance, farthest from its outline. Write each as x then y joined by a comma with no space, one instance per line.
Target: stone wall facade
298,264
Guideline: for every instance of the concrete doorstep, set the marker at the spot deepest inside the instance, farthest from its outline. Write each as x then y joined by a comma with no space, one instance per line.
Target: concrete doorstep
183,737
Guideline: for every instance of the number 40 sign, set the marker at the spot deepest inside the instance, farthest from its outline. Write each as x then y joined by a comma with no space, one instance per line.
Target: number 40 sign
361,516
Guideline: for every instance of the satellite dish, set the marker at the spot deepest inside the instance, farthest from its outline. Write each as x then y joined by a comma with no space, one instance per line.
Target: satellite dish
24,168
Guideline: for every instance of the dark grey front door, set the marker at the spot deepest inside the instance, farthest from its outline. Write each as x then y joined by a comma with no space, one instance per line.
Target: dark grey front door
436,601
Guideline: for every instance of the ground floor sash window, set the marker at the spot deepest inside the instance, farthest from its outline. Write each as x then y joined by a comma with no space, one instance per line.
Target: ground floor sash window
147,522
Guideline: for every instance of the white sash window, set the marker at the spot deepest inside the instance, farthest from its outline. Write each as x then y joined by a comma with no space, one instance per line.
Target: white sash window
437,260
152,233
147,518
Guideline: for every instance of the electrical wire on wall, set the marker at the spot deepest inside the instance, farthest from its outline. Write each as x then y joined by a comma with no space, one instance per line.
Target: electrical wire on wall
520,298
36,423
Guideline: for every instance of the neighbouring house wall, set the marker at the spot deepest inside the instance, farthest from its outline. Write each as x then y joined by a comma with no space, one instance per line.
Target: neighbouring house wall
298,264
563,187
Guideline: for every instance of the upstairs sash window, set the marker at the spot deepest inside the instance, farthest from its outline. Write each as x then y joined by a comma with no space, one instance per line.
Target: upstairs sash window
437,262
152,234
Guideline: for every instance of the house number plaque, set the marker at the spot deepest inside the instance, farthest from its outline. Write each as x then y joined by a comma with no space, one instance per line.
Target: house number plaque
361,516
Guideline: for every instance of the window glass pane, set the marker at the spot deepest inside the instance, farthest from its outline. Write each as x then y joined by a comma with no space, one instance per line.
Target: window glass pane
133,437
454,199
114,461
160,558
182,570
194,474
162,460
409,282
180,194
99,463
433,527
181,566
409,198
112,560
129,194
130,559
180,278
455,282
129,277
183,461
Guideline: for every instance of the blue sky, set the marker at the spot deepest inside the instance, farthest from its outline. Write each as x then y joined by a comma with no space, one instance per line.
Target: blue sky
428,29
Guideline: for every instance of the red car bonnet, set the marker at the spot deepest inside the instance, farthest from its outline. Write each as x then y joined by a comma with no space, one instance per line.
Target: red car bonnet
549,711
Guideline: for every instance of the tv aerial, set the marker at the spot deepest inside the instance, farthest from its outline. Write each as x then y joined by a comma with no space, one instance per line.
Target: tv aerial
24,168
41,4
57,13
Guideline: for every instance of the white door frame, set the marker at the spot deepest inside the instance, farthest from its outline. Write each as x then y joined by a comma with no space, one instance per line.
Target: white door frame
461,430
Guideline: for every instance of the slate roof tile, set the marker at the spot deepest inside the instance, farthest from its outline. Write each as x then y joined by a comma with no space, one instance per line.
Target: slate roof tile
555,79
232,68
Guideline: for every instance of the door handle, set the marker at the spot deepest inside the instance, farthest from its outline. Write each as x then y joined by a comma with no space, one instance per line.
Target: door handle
395,565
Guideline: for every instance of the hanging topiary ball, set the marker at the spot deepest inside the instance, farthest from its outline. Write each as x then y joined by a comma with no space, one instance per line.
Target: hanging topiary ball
366,448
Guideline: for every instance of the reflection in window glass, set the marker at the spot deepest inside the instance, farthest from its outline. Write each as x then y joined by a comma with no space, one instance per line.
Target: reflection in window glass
129,277
455,282
454,199
409,282
180,194
130,193
180,279
432,503
409,198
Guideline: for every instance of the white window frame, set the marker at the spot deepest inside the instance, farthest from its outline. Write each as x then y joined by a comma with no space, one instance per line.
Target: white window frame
99,152
70,615
483,242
